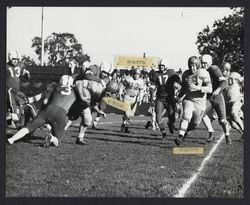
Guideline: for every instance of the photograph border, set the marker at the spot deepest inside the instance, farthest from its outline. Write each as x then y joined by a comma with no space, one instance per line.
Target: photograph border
128,3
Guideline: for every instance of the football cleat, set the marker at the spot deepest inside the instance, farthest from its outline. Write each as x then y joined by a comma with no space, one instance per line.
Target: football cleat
81,141
123,128
50,141
164,135
228,140
148,124
94,127
126,130
210,137
178,140
171,128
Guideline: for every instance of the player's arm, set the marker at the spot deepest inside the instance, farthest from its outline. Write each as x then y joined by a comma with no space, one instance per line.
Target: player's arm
183,89
48,93
25,71
88,75
96,108
82,92
206,86
223,83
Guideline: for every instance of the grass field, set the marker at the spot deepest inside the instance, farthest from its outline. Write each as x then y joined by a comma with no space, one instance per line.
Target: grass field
114,164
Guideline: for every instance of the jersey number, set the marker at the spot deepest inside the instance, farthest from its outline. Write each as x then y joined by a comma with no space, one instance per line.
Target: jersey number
230,81
16,73
163,79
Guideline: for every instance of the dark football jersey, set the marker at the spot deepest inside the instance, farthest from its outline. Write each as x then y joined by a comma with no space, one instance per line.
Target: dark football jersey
62,97
13,74
165,84
216,77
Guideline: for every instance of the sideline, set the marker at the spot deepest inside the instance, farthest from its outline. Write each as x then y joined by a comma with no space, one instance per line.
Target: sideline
182,191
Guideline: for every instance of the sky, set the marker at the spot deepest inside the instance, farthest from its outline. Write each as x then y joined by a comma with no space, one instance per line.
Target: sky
104,32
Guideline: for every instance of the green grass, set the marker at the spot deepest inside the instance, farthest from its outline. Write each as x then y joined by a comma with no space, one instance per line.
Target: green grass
114,164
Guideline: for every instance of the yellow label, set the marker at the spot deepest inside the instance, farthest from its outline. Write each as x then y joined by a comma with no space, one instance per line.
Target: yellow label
188,150
129,61
116,103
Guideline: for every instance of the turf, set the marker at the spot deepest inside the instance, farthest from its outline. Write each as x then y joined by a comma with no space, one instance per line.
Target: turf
115,164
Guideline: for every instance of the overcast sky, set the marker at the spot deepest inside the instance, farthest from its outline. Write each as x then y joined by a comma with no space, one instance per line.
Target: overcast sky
163,32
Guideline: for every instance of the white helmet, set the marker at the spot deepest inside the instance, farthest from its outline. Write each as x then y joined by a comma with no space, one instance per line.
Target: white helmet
106,67
13,54
163,64
66,81
207,59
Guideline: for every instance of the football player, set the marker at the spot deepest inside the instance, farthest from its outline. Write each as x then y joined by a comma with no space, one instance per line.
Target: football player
88,95
216,99
165,81
131,92
92,73
57,103
14,70
196,83
232,95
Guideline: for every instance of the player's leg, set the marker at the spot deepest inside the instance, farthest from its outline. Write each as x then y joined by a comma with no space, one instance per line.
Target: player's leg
57,132
159,109
12,106
171,110
233,116
73,113
35,123
126,119
207,121
86,121
97,118
219,106
188,108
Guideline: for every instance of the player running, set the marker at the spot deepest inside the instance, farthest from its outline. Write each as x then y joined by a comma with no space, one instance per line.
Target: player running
88,96
196,83
216,99
131,92
232,97
165,81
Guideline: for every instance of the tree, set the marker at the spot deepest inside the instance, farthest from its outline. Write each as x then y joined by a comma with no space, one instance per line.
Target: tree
224,41
27,60
60,49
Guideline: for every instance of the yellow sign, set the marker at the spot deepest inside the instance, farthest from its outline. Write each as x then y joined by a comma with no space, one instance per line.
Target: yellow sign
188,150
116,103
129,61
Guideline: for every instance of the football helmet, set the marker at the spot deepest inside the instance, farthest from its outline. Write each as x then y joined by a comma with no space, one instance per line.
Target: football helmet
226,68
206,60
194,64
163,64
106,67
13,55
136,72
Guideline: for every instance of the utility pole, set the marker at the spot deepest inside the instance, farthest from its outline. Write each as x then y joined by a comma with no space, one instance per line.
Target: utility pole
42,39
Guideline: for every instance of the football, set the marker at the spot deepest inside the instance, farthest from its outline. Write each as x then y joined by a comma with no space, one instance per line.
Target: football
112,87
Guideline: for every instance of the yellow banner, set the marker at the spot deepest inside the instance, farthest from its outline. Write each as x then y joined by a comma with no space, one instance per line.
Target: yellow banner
116,103
129,61
188,150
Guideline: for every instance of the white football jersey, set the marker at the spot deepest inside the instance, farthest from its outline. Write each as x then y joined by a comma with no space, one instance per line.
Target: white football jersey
133,87
232,90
